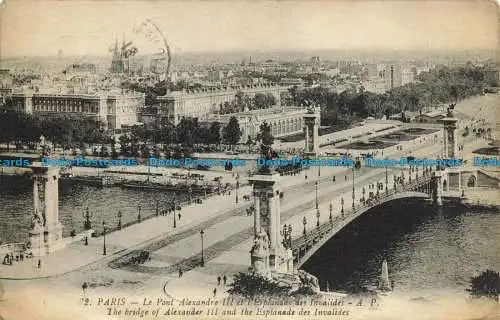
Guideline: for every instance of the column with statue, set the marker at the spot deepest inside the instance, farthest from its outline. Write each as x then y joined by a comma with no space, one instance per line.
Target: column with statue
46,230
267,228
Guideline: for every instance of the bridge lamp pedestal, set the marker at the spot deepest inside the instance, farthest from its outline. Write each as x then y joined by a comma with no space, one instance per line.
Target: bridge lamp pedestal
45,235
311,128
267,217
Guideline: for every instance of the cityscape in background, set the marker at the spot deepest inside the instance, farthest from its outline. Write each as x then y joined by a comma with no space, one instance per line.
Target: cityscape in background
124,89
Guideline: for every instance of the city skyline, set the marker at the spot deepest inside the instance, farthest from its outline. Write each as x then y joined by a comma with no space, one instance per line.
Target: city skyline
219,26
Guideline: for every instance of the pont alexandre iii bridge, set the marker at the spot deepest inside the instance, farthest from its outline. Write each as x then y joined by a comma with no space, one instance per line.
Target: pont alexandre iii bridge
311,241
274,250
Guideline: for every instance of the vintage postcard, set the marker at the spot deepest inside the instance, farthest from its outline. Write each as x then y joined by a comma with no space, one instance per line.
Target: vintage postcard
249,160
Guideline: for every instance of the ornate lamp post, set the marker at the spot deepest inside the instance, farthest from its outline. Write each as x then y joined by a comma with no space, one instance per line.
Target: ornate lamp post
317,218
289,236
342,205
353,194
157,207
331,209
319,171
284,233
386,180
175,223
87,225
237,186
104,237
316,186
119,215
364,191
202,257
304,222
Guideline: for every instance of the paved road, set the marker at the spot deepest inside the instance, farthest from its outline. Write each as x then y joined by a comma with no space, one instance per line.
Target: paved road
298,206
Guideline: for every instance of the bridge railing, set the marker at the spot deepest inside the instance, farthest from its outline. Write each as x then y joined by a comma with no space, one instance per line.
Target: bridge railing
328,226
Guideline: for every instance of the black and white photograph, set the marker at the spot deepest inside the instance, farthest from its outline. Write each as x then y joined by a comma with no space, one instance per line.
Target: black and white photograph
323,159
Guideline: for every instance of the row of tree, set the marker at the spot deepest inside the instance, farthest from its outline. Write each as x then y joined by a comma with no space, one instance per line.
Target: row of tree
24,129
69,133
244,102
187,133
441,85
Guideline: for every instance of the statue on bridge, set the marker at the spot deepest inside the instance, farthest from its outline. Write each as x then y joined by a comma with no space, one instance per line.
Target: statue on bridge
37,221
450,109
260,254
309,280
311,108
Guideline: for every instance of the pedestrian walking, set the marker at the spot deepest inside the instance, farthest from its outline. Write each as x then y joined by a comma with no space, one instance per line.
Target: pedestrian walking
39,263
215,292
225,279
305,176
218,280
179,215
180,272
84,287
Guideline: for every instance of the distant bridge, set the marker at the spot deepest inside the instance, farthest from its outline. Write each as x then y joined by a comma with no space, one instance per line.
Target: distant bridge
307,244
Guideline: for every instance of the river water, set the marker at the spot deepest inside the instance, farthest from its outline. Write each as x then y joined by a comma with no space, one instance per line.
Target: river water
426,249
16,206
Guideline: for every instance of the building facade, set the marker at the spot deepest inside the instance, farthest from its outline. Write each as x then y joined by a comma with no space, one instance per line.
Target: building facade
284,121
200,103
116,111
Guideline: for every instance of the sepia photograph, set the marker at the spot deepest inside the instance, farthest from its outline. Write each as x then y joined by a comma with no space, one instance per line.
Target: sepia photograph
294,159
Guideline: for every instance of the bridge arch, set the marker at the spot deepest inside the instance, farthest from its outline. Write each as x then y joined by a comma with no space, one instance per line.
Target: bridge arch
306,246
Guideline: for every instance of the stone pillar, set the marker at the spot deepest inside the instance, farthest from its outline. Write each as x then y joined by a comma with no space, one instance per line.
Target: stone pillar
438,188
450,142
266,191
256,216
46,233
311,127
274,219
460,181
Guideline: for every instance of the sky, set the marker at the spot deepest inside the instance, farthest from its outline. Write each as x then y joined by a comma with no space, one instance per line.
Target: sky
44,27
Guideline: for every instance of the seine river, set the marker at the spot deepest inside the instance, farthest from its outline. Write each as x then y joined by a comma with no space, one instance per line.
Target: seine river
16,206
425,248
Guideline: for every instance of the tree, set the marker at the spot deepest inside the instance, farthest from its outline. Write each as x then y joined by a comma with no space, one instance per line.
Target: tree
250,285
214,133
232,132
166,133
187,133
124,144
487,284
114,154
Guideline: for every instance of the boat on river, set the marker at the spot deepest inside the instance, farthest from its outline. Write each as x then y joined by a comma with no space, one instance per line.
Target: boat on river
181,187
